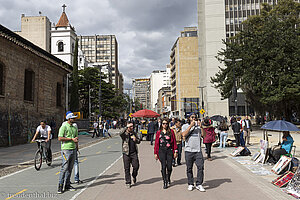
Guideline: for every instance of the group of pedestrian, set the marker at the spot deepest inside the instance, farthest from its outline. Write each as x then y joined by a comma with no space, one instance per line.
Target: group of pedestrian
169,140
100,128
241,130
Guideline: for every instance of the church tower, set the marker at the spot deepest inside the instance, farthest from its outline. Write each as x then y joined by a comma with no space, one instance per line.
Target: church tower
63,38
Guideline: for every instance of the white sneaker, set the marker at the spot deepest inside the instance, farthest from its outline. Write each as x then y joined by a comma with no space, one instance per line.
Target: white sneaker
200,188
190,187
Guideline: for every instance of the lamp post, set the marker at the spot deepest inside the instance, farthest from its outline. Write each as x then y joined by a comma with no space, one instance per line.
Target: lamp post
202,100
234,83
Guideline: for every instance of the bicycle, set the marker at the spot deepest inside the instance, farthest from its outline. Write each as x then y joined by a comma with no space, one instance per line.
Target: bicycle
40,155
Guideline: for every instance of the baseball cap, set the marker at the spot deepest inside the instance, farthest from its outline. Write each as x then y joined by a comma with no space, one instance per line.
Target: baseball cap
71,116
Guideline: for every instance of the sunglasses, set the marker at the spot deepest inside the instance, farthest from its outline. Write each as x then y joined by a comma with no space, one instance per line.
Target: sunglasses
164,123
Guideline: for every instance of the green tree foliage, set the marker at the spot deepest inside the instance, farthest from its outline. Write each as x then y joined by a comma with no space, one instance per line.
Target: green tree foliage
112,103
74,101
269,74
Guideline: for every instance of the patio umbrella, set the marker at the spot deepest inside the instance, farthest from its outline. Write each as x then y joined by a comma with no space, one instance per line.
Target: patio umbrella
218,118
280,125
145,113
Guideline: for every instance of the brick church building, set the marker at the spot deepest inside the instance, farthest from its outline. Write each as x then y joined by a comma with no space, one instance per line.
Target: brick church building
32,88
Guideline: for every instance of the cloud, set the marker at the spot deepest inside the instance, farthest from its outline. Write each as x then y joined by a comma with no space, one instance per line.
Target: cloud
145,29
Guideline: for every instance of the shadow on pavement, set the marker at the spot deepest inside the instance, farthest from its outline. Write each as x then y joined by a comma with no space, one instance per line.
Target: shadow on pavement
101,180
149,181
210,184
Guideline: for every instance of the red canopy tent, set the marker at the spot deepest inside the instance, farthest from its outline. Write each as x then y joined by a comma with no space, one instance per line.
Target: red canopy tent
145,113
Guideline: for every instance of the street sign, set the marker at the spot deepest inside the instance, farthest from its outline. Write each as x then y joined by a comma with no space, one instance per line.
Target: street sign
202,111
130,114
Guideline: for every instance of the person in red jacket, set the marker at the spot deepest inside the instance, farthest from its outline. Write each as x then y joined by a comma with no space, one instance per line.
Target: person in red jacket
209,136
164,149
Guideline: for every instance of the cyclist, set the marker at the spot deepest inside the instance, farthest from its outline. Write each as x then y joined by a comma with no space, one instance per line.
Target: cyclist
44,132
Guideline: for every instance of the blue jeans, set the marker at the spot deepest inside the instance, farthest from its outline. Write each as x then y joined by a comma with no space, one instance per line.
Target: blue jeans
68,158
223,138
76,167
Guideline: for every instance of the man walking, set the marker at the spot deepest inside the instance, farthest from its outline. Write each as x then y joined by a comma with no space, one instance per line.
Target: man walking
68,135
95,126
151,130
177,130
193,154
247,128
130,153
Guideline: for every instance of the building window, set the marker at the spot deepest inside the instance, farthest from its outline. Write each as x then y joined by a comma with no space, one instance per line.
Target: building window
58,94
60,47
73,47
29,85
1,79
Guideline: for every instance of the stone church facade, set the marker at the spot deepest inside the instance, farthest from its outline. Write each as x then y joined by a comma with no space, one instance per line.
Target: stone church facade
32,88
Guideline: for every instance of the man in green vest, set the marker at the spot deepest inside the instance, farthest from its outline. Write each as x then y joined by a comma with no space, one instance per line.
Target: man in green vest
68,135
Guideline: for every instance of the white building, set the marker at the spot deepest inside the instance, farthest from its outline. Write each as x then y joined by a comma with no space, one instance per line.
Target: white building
63,39
106,69
82,61
158,79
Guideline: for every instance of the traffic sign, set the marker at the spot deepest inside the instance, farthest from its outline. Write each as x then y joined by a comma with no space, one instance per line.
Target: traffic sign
202,111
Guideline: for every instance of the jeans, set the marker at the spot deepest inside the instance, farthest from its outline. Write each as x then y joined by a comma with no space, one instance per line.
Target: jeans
223,138
197,158
237,139
165,158
179,148
151,135
134,161
76,167
68,158
95,133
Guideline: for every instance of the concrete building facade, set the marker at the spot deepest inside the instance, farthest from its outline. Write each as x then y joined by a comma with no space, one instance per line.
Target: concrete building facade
32,88
218,20
36,29
185,73
158,79
140,91
164,101
101,48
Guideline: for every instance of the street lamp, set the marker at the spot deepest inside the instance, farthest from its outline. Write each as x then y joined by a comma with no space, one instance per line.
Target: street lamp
202,101
234,83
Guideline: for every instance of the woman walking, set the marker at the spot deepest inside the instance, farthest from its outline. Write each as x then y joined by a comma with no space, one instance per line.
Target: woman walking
164,149
209,136
224,134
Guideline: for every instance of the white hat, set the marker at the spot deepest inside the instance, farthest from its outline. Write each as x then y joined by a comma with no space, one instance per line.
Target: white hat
71,116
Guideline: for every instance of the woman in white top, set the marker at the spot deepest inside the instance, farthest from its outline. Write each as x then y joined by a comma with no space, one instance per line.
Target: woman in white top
44,132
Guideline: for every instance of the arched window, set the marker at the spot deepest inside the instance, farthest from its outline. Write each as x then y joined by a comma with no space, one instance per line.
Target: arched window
1,79
60,47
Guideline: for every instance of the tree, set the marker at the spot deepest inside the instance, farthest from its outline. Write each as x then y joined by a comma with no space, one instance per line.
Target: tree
269,74
74,102
112,103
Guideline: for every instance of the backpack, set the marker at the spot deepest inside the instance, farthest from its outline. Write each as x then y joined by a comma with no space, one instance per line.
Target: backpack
245,152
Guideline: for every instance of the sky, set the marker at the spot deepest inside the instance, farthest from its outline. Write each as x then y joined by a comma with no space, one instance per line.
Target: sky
145,29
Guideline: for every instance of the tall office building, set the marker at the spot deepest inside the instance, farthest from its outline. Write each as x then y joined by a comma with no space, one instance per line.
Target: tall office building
158,79
185,73
36,29
140,91
217,20
101,49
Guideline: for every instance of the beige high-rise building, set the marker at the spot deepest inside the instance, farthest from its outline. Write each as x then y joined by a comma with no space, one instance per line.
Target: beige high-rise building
36,29
140,91
101,49
185,73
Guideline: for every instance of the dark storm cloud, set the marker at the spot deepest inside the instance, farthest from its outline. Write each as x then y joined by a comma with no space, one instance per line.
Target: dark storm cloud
145,29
